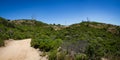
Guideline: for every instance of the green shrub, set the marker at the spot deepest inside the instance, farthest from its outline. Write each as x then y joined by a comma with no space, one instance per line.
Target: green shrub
61,56
81,57
46,44
1,42
52,55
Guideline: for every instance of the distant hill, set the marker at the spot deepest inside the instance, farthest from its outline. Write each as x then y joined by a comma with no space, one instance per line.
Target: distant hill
28,22
92,40
82,41
108,27
20,29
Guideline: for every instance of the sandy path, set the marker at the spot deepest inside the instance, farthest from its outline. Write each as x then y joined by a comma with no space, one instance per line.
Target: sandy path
19,50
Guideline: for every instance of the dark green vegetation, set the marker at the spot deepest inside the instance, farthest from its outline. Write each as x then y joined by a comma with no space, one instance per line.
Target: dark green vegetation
21,29
82,41
92,40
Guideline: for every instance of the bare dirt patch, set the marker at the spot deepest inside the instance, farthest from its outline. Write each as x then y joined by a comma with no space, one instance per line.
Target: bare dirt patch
19,50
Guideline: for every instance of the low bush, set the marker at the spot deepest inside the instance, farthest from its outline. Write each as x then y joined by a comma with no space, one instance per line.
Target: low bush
46,44
1,42
52,55
81,57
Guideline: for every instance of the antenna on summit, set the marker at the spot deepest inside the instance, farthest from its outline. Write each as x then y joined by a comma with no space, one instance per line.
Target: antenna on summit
88,19
66,22
33,17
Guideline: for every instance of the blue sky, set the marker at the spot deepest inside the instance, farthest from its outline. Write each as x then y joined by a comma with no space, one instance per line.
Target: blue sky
62,11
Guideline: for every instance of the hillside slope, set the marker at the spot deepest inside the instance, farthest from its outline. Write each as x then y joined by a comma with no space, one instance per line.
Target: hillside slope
20,29
92,39
85,40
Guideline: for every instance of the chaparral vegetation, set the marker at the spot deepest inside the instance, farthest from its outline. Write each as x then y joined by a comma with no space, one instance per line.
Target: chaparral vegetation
81,41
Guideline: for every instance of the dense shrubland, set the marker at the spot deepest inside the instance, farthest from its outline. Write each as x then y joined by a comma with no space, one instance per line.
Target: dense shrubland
82,41
46,44
20,29
100,42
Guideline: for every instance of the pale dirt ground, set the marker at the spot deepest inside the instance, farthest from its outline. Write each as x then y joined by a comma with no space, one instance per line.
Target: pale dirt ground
20,50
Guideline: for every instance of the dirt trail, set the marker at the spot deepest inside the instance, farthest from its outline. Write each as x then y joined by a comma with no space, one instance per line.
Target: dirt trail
19,50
